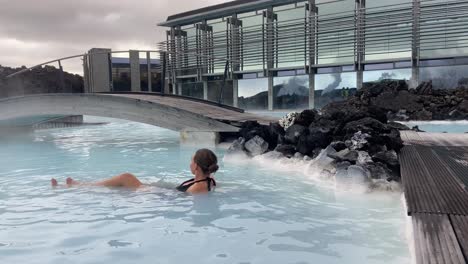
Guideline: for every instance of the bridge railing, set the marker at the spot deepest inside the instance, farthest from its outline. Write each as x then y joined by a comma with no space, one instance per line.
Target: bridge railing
99,70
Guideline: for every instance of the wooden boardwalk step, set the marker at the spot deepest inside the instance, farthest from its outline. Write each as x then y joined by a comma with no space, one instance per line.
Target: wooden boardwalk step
435,240
434,171
460,225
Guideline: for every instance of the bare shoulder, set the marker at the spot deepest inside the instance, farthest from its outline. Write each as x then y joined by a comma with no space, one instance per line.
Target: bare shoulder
198,189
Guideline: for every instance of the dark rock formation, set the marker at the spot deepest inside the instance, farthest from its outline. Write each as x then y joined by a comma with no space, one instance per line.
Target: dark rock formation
355,137
395,101
40,80
351,138
286,150
294,132
256,146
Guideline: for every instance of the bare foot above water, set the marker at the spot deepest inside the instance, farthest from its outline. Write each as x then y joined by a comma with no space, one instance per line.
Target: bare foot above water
53,182
71,182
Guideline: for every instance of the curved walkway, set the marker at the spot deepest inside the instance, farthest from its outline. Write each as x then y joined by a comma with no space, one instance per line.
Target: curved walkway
169,112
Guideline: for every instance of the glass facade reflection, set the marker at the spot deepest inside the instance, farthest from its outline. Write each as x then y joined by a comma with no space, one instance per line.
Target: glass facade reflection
397,74
289,49
446,77
215,88
291,92
265,38
336,31
192,89
334,87
253,94
121,81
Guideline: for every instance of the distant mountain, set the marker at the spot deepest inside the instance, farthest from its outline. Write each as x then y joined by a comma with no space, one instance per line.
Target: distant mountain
40,80
256,102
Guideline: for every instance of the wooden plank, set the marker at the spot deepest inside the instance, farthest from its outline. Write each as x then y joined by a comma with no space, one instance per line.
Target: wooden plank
201,108
421,192
460,226
434,139
455,198
435,240
456,159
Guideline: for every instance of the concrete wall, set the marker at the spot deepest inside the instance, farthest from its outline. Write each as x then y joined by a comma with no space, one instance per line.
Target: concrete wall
99,68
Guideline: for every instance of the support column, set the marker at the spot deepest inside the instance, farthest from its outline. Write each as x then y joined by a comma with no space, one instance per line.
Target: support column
235,91
270,39
235,25
359,78
86,74
148,63
164,83
179,88
360,41
205,89
270,93
99,69
135,71
312,89
415,45
311,32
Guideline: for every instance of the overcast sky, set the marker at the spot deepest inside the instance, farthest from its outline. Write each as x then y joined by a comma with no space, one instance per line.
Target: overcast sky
35,31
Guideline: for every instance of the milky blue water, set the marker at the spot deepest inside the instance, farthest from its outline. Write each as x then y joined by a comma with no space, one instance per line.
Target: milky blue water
440,126
256,215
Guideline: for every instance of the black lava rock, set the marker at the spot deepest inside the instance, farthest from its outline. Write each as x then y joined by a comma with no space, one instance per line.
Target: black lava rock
294,132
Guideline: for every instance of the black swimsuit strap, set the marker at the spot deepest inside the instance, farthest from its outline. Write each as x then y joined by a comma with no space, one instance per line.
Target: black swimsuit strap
184,187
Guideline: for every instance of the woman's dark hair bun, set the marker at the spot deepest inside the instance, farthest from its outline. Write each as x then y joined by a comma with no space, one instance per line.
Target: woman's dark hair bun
213,168
207,161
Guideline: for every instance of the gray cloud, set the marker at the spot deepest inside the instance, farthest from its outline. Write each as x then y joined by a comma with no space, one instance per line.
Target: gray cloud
34,31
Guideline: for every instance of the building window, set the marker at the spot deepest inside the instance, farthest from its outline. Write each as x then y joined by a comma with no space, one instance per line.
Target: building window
379,75
290,36
216,87
334,87
192,89
253,94
336,32
291,92
445,77
252,41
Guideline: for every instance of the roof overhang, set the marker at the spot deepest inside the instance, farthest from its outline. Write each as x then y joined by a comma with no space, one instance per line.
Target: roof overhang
220,10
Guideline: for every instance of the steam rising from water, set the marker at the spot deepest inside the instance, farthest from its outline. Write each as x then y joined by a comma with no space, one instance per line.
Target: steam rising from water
315,171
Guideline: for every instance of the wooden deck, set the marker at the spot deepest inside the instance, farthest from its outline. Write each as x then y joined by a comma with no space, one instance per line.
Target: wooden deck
434,171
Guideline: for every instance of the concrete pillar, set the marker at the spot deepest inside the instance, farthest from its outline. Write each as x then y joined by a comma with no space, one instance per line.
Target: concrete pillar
360,41
235,92
199,139
135,71
270,93
270,18
359,78
312,41
86,74
312,89
205,90
179,88
99,69
148,63
416,45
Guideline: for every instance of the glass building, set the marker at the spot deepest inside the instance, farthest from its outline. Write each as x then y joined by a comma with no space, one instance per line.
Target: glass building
281,55
121,75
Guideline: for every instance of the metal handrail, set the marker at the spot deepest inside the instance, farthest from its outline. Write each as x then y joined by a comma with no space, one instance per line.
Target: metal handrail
72,57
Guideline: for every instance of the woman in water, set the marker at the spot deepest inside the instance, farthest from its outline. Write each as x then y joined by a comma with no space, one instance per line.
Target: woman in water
204,163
